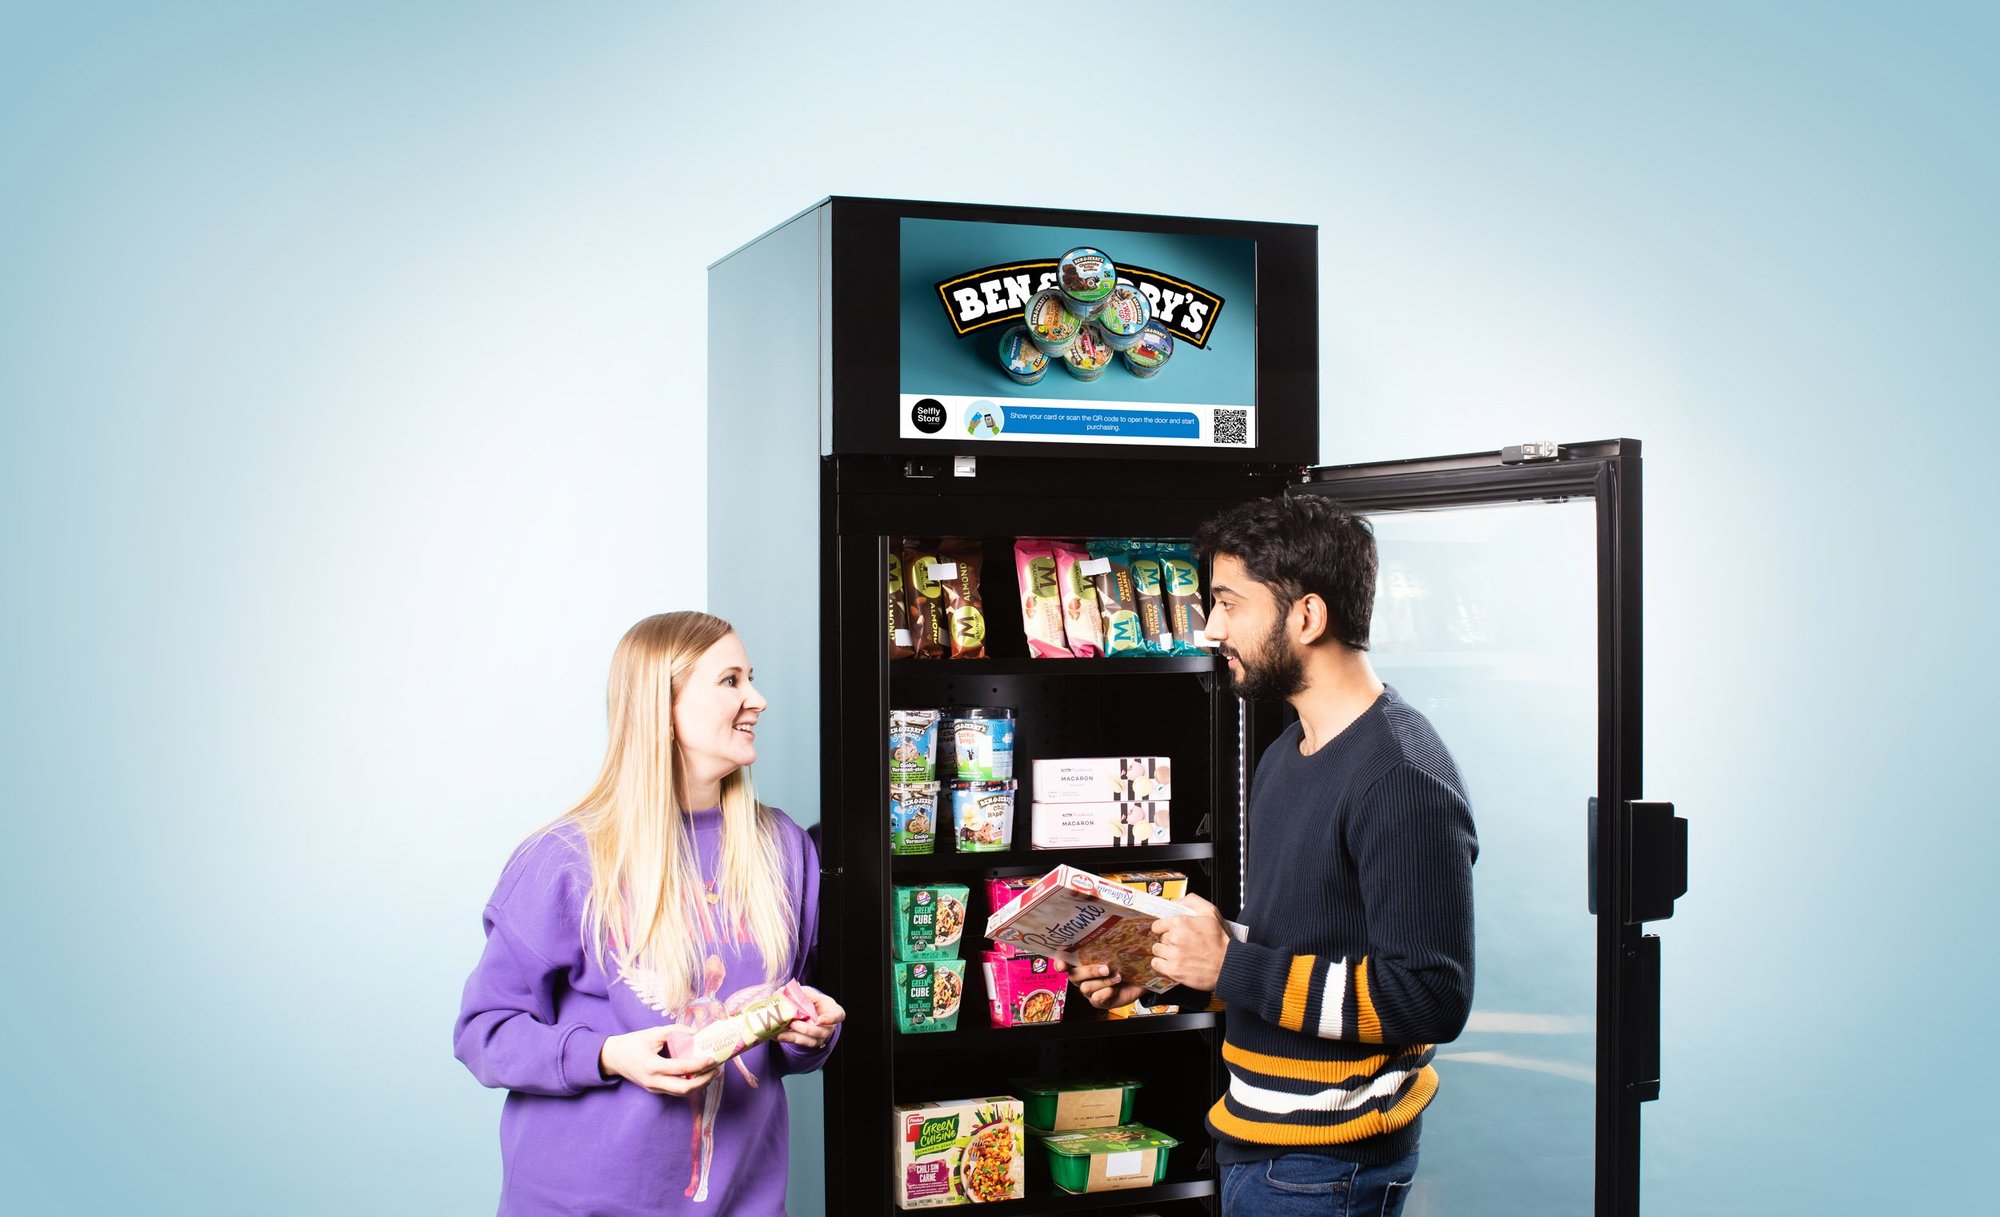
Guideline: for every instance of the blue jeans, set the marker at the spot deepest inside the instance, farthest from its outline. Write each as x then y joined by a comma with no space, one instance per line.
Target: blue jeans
1298,1185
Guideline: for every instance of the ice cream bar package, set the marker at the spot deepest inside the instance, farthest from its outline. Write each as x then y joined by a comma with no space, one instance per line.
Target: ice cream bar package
1041,602
901,640
1081,623
1078,917
923,598
959,577
1110,569
1102,779
1156,630
759,1022
1185,615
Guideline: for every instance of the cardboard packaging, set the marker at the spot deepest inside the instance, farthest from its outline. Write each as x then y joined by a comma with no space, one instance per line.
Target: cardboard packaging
1079,917
965,1151
1094,825
1103,779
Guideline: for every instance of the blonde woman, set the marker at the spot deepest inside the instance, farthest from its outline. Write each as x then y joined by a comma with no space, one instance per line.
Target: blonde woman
668,897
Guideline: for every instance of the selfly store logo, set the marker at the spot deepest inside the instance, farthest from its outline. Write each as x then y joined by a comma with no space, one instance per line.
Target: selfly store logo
995,295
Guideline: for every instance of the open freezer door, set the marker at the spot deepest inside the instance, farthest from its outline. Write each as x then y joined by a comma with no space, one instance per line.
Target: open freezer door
1507,609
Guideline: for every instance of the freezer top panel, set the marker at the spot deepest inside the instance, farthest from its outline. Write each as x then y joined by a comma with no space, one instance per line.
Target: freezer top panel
964,329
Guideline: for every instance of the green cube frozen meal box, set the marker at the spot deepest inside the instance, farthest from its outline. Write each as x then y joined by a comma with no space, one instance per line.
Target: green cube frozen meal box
928,995
929,922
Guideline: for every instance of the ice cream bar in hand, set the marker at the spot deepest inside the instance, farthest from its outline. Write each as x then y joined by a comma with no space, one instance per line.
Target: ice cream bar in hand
759,1022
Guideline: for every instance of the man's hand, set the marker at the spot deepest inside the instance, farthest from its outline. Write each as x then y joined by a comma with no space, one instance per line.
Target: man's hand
1099,986
1189,950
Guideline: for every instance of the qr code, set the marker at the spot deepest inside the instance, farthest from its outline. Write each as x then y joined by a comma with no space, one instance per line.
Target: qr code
1232,426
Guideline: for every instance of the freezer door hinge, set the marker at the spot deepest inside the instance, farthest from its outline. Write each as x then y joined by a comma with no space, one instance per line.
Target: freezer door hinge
1530,454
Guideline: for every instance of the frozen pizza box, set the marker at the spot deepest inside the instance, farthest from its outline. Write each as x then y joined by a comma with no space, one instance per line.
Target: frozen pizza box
962,1151
1103,779
1077,917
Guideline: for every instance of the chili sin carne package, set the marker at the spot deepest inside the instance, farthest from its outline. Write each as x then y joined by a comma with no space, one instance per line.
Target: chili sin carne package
963,1151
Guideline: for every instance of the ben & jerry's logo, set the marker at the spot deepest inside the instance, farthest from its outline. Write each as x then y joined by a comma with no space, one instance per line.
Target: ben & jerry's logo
995,295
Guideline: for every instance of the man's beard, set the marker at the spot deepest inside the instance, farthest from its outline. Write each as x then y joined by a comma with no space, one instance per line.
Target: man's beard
1276,674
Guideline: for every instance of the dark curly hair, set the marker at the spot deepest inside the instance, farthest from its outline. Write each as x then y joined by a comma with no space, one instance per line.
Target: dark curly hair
1299,544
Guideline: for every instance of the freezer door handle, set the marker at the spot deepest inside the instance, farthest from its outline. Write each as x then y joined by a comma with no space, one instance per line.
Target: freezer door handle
1655,862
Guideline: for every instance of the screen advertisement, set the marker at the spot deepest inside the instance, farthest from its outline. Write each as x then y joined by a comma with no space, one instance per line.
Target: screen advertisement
1054,335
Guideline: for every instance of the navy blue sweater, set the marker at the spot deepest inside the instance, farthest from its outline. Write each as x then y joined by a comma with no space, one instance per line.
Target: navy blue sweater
1359,959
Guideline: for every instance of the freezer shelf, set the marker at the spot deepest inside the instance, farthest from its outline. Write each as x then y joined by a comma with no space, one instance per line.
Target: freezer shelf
1131,857
969,1038
1060,1201
1151,666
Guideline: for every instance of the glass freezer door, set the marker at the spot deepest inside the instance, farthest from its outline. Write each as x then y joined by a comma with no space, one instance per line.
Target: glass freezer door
1506,611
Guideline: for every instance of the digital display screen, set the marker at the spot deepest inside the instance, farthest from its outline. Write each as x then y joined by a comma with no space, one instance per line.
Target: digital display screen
1055,335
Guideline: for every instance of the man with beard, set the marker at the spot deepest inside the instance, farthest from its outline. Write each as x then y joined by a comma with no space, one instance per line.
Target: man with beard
1358,894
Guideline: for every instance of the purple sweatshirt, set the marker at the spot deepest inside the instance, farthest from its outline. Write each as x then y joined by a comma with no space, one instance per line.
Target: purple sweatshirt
538,1009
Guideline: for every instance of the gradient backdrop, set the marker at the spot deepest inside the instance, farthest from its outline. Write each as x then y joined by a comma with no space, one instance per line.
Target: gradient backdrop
351,370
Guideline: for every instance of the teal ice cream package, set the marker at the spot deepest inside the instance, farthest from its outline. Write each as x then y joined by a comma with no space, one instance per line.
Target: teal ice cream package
1109,569
1185,616
1149,581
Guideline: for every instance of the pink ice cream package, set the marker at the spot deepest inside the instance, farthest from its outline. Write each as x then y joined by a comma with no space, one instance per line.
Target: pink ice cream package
1081,623
760,1022
1041,600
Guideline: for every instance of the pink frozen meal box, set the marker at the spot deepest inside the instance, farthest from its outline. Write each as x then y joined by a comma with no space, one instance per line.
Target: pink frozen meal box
1023,989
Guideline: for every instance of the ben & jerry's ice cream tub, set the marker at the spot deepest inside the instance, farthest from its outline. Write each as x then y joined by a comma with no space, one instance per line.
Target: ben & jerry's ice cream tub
1051,326
1149,351
1020,358
983,815
913,746
913,810
1089,355
1126,312
981,743
1086,277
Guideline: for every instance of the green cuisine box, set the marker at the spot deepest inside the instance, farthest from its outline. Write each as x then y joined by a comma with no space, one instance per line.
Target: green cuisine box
967,1151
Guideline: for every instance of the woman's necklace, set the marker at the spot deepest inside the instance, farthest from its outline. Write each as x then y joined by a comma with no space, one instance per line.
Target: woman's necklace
711,895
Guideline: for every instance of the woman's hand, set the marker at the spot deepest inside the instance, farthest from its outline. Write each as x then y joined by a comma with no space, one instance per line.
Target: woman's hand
828,1014
1099,986
635,1056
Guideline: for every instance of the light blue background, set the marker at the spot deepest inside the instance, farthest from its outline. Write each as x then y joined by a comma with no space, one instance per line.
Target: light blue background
936,360
351,366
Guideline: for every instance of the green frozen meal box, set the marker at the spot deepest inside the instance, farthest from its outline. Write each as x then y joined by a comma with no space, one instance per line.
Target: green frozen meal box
1108,1159
1065,1104
928,995
929,921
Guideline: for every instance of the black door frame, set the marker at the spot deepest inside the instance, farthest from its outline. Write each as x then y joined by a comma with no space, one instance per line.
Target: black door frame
1607,472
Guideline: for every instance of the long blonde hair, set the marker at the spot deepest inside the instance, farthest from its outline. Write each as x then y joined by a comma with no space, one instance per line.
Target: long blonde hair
646,890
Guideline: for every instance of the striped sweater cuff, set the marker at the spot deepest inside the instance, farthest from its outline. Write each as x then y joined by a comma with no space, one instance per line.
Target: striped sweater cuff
1326,998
